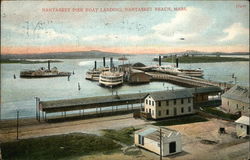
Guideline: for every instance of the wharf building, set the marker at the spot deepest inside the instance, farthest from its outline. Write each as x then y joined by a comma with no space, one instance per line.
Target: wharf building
236,100
168,104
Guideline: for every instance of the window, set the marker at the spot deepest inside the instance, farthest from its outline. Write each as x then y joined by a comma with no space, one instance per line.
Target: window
182,110
189,100
149,110
153,112
189,109
167,112
159,103
237,106
159,113
243,107
153,103
228,103
174,101
146,101
182,101
149,102
146,110
167,102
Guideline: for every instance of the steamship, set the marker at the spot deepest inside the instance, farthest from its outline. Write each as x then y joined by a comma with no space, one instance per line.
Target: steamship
111,78
43,73
170,69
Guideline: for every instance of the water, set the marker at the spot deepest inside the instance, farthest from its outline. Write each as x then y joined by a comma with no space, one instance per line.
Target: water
19,94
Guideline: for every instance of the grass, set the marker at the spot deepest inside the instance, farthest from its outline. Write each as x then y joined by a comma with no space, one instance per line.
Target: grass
123,135
220,114
58,147
204,59
180,120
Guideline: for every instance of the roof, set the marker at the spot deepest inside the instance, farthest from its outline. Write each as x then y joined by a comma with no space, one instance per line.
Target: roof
239,93
153,132
139,64
205,89
171,94
243,120
91,100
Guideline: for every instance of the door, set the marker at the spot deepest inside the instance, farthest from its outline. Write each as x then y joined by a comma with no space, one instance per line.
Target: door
175,111
172,147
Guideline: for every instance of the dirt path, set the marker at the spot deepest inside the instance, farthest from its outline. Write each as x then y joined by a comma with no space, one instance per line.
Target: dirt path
92,126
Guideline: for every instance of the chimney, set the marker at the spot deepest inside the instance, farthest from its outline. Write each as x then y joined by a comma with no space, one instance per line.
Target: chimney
49,65
103,61
95,65
177,62
159,60
111,62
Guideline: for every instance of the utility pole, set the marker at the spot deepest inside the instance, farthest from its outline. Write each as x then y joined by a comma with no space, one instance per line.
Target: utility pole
17,123
160,145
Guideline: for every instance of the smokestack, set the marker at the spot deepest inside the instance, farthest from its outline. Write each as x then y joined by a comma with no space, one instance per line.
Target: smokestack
111,62
95,65
177,62
159,60
49,65
103,61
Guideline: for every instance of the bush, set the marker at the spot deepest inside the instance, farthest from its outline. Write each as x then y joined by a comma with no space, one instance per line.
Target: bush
180,120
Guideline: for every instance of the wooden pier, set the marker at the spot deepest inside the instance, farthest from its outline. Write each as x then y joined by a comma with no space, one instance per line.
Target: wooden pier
188,81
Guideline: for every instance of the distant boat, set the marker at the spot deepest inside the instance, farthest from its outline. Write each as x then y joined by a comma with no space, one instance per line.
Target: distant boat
122,58
43,73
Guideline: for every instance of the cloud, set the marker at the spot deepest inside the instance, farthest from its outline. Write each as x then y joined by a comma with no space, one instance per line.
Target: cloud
233,31
114,38
18,35
186,24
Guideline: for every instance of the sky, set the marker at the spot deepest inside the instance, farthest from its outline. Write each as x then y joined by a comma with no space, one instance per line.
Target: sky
133,27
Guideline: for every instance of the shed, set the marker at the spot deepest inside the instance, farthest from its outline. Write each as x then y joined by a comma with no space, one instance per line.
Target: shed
242,126
149,138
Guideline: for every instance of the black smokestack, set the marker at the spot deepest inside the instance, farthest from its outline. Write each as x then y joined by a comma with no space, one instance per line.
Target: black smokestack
159,60
95,65
177,62
49,65
104,62
111,62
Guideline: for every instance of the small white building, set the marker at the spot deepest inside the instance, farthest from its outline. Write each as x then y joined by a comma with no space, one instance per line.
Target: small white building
236,100
242,126
169,103
149,138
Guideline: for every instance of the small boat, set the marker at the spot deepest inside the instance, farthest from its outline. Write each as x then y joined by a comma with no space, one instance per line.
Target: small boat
122,58
111,78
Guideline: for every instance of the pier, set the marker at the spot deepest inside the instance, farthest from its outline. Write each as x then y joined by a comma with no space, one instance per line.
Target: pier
188,81
131,103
